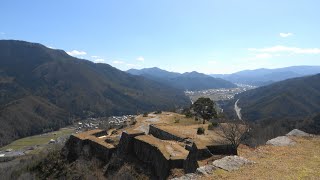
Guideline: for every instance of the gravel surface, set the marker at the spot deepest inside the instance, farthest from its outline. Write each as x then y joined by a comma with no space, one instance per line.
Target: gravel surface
155,119
281,141
231,163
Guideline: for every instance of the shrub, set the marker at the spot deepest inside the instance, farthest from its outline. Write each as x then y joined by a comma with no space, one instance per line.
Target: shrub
212,125
145,114
187,113
158,112
200,130
215,124
176,120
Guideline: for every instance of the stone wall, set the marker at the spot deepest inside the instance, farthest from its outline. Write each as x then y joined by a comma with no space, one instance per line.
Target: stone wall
191,164
76,147
99,151
164,135
151,155
73,148
125,145
223,149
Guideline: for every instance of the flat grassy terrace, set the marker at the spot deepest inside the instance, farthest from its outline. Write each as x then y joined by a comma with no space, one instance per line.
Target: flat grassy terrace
37,139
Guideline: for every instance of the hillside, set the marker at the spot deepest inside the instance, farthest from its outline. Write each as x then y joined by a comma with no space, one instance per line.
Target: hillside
30,115
279,107
186,81
79,87
260,77
300,161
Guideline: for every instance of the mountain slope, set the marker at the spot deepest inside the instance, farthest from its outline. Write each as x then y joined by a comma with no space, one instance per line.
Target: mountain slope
260,77
277,108
185,81
29,115
79,87
298,98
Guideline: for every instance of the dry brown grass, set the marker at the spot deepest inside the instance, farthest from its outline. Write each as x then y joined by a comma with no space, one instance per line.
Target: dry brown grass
185,128
90,135
301,161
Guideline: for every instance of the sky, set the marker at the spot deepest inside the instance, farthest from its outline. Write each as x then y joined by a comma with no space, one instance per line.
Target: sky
208,36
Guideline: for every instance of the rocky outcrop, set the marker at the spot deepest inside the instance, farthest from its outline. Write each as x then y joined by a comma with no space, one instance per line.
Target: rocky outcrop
157,132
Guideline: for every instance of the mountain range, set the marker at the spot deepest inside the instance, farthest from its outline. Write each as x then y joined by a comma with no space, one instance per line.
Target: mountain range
281,106
186,81
260,77
42,88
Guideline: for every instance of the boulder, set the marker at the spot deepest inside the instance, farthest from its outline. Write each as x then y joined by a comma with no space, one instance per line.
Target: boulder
297,132
190,176
205,170
231,163
281,141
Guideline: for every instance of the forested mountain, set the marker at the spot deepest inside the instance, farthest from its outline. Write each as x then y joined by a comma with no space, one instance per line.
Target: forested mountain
281,106
263,76
36,80
186,81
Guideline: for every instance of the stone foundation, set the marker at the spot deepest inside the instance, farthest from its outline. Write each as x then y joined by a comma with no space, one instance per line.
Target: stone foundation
164,135
126,145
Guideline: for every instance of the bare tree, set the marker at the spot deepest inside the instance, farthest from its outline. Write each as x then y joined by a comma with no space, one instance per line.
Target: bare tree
233,133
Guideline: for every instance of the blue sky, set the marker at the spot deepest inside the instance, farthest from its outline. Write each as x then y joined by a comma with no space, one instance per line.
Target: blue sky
209,36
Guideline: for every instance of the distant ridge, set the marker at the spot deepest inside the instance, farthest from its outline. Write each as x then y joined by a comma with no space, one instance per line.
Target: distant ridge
259,77
186,81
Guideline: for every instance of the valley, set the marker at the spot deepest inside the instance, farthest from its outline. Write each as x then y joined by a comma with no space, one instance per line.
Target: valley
160,90
221,94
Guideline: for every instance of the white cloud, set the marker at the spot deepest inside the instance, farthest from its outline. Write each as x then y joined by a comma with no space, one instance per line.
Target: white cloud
117,62
95,56
284,35
263,56
140,58
285,49
212,62
100,60
76,53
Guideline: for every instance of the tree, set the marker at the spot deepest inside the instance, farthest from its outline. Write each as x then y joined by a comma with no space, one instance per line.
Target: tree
205,108
234,133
